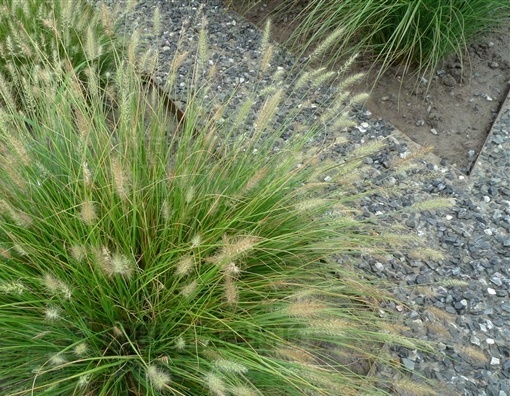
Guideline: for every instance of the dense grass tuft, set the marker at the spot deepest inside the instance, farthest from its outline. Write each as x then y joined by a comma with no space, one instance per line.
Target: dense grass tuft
60,33
142,256
415,35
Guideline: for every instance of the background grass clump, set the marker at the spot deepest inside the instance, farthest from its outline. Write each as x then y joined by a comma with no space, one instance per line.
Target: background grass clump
141,256
35,34
416,35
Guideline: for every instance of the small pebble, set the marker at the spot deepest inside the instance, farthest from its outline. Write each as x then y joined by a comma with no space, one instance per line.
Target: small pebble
495,361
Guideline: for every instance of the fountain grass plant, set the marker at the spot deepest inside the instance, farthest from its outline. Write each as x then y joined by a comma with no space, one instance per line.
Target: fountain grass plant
144,256
416,35
35,34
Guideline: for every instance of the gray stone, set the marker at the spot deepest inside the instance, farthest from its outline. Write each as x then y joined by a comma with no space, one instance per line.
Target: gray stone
408,364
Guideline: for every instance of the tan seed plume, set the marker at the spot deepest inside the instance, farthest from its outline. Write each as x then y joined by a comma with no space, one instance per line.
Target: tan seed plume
88,212
120,178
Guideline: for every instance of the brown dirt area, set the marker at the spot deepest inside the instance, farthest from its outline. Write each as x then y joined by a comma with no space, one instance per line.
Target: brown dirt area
453,114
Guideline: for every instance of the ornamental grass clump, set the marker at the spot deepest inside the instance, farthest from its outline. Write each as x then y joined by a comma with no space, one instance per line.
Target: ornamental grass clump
144,256
416,35
35,34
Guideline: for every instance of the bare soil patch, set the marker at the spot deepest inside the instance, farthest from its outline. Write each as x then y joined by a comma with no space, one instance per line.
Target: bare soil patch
452,112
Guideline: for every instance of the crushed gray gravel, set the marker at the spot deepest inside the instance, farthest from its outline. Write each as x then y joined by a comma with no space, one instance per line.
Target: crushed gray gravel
462,300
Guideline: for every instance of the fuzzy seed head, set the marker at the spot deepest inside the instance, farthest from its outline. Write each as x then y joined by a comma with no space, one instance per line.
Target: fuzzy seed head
215,384
88,212
9,165
305,309
87,175
231,291
334,327
241,390
359,98
322,79
234,248
158,378
265,37
229,366
106,20
311,204
20,219
231,269
266,58
166,211
190,194
202,43
57,359
327,43
433,204
180,344
189,289
83,381
454,283
120,179
349,81
184,266
78,252
121,265
196,241
55,286
52,313
81,349
134,42
20,250
104,258
91,44
117,332
296,355
268,111
156,22
308,76
13,288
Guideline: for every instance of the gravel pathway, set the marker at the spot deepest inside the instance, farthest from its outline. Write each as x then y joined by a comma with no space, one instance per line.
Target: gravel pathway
461,300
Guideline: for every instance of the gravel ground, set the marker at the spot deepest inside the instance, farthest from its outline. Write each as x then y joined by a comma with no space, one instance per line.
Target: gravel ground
461,300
